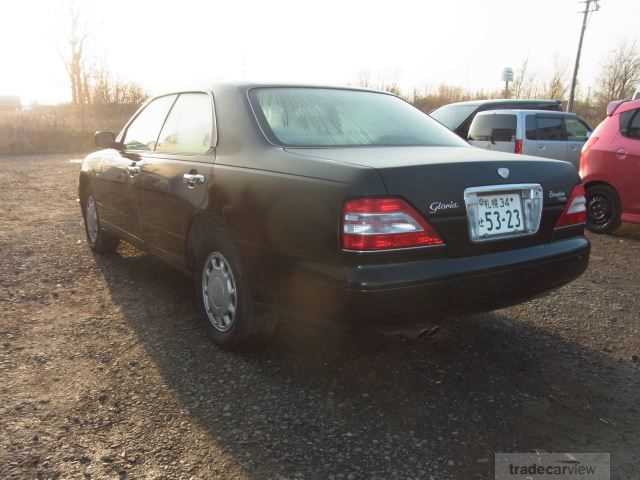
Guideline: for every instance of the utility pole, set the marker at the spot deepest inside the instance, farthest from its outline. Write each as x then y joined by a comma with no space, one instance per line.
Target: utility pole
590,6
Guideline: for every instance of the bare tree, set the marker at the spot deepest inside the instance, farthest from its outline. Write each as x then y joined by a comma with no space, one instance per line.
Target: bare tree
104,89
557,86
523,85
74,62
364,78
91,82
619,74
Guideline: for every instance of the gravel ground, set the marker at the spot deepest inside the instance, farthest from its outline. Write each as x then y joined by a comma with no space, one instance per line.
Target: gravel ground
107,373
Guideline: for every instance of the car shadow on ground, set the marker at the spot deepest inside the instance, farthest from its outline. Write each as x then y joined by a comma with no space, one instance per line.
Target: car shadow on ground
628,231
378,407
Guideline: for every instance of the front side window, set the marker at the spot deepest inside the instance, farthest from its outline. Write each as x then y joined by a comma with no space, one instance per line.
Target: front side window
546,128
494,127
326,117
577,130
630,123
142,133
189,126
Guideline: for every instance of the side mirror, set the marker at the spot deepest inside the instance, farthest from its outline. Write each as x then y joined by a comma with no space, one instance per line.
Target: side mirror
105,139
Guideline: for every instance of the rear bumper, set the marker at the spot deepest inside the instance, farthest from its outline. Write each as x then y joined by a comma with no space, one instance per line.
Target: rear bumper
391,292
469,284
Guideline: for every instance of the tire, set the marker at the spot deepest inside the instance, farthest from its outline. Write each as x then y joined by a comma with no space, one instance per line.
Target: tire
223,295
98,239
603,209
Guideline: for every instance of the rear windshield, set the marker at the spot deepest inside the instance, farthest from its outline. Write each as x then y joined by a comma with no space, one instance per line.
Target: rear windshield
495,127
452,116
326,117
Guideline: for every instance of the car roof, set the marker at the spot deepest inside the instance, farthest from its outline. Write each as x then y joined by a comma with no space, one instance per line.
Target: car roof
498,101
248,85
626,105
514,111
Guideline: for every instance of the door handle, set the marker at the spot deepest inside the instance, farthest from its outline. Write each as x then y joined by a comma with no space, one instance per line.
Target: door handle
133,170
621,153
192,179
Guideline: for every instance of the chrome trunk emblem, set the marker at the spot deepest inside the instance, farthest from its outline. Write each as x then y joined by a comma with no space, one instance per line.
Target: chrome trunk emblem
503,172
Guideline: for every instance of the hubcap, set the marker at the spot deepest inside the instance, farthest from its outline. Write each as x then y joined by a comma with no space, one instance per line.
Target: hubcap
91,217
599,209
219,292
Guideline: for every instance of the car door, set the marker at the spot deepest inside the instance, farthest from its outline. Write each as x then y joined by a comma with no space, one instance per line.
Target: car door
628,156
117,199
577,134
548,135
173,183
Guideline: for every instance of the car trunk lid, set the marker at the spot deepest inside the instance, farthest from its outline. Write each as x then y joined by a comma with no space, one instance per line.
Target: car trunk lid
434,179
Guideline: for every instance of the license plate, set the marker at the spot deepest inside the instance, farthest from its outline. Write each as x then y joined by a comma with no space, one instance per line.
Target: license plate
499,214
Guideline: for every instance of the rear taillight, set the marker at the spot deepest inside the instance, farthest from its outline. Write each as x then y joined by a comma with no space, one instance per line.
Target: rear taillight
384,224
518,147
575,211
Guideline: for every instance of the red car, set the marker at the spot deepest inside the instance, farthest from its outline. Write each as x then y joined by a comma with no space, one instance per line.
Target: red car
610,168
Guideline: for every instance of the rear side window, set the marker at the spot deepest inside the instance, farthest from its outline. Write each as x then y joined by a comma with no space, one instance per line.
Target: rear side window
531,127
545,128
630,123
577,130
498,127
143,132
189,126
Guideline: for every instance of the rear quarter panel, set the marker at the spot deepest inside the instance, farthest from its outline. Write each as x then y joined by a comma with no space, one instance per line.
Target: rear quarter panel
287,225
601,165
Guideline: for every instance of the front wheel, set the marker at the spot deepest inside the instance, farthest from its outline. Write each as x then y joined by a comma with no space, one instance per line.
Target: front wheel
603,209
99,240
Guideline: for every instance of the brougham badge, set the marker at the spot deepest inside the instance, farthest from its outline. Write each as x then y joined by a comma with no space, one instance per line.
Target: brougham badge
562,196
503,172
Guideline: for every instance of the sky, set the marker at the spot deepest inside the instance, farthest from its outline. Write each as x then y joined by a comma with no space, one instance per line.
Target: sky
167,45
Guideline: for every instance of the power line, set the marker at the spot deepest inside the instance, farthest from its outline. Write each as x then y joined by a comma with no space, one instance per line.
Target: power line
589,7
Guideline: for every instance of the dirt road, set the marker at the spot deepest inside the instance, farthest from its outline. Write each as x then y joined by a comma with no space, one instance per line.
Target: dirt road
106,371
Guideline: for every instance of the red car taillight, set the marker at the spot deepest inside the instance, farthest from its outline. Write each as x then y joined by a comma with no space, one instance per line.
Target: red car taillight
518,147
384,224
575,211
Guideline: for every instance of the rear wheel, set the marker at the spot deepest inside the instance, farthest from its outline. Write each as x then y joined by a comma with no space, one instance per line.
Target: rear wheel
99,240
224,295
603,209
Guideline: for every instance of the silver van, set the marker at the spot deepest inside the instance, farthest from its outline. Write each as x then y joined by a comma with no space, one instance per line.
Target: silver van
543,133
